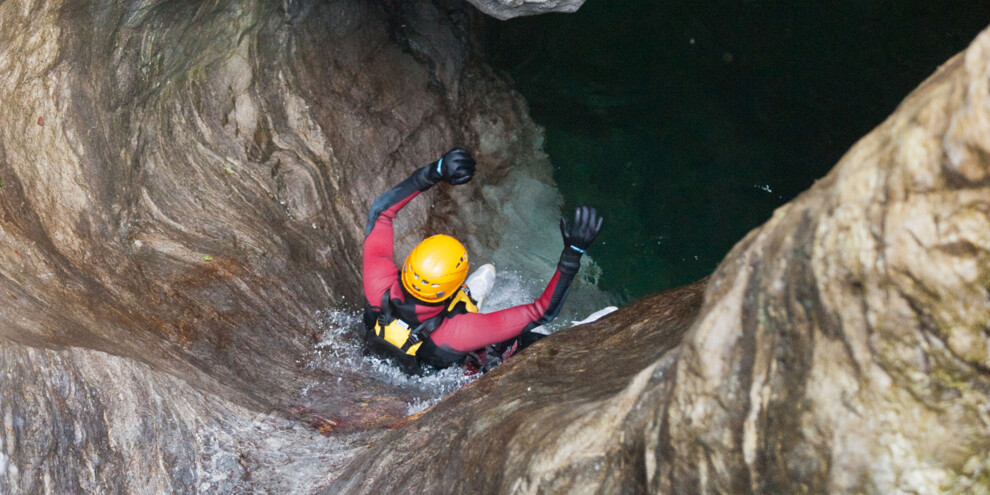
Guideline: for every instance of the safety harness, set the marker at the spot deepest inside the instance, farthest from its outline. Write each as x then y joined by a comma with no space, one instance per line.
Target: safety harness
403,339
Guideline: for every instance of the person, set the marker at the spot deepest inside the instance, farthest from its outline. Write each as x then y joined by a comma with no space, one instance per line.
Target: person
424,313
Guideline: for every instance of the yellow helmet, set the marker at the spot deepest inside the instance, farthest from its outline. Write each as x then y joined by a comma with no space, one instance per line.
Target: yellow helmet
435,268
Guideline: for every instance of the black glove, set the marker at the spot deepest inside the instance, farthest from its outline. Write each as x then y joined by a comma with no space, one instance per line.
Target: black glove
578,235
456,167
586,226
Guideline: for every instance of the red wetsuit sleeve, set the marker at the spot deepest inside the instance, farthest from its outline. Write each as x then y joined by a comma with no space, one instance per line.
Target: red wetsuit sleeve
378,264
472,331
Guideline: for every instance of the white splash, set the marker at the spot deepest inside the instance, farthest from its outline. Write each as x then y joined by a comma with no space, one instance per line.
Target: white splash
340,345
340,349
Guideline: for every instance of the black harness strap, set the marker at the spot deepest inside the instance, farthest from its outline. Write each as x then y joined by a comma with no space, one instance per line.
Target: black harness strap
424,330
385,317
420,333
428,353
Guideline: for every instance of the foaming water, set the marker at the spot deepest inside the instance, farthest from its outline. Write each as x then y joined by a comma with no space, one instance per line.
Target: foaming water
339,351
513,289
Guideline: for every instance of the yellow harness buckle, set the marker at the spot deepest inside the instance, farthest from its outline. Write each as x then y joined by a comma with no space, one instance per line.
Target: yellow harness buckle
397,332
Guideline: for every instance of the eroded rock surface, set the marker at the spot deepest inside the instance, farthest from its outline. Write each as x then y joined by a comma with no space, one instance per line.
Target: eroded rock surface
567,416
843,347
184,185
82,421
187,184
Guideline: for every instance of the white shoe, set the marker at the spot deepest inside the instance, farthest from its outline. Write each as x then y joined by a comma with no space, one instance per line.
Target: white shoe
480,283
595,316
542,330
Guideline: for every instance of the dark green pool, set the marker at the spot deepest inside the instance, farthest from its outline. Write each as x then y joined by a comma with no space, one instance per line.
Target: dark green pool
688,123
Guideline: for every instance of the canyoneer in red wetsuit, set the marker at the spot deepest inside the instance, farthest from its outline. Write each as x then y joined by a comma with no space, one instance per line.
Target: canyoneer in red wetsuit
425,314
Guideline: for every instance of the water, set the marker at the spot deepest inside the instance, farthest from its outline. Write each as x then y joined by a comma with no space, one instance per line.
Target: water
339,349
688,123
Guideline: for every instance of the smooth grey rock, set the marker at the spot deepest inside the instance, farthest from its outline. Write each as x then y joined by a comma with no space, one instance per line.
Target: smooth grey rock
507,9
81,421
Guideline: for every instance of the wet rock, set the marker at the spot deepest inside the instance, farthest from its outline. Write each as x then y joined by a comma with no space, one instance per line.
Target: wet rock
568,415
195,193
200,187
82,421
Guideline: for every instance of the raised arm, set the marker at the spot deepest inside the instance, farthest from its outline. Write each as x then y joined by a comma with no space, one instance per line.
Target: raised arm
474,331
378,265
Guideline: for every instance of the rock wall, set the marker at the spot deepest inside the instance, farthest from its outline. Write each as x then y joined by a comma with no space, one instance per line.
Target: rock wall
566,416
845,346
842,347
184,185
83,421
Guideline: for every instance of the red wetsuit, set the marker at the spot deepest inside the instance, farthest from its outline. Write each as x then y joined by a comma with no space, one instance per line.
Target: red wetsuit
459,334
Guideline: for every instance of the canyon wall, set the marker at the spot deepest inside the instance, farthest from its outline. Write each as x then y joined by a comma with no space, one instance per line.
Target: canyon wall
184,188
